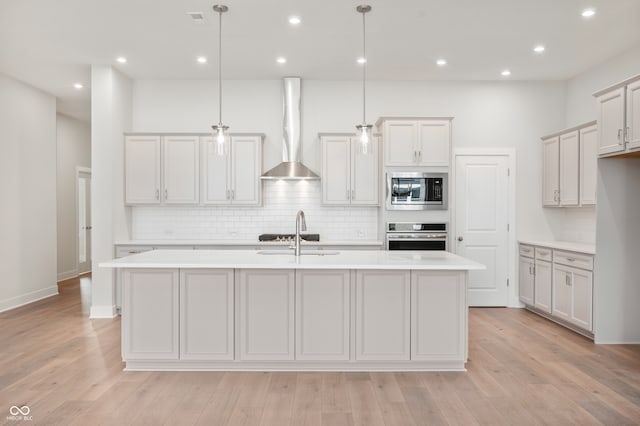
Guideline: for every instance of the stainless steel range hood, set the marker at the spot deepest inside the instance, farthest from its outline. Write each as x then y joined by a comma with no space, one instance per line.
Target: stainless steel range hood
291,167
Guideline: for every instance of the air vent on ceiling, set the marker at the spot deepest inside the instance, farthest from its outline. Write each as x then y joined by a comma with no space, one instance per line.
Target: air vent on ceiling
197,17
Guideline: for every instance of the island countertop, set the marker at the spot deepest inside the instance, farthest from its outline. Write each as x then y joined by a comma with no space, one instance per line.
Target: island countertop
269,259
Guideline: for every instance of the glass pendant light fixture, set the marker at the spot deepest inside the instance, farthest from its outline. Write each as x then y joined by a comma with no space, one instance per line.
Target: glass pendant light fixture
220,131
364,130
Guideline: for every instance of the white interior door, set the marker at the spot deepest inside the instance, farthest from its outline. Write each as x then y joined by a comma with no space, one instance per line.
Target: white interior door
482,212
84,222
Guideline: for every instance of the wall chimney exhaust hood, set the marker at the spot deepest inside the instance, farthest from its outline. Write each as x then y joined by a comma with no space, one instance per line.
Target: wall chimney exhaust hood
291,167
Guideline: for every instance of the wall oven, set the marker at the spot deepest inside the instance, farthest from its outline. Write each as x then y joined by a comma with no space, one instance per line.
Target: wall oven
416,191
417,236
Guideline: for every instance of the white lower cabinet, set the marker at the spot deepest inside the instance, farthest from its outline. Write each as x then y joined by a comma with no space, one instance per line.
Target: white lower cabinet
542,285
573,293
383,315
526,280
206,314
561,292
266,314
150,314
438,315
322,314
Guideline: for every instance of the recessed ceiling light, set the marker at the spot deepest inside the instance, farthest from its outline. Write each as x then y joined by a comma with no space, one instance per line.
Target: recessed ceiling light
281,60
78,86
295,20
441,62
539,49
121,59
506,73
587,13
201,60
362,60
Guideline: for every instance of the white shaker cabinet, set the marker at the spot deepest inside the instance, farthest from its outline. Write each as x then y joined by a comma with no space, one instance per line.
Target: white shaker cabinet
416,141
233,178
349,176
551,171
207,314
323,314
161,169
543,278
588,165
619,118
383,315
573,288
266,314
150,324
526,275
569,168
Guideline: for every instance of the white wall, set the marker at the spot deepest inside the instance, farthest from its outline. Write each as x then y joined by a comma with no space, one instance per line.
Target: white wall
73,150
487,114
110,118
28,188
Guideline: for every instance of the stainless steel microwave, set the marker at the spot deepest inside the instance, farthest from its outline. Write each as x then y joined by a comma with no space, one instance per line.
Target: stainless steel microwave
416,191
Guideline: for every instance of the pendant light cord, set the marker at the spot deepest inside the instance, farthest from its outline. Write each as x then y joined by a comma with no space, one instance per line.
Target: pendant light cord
220,66
364,69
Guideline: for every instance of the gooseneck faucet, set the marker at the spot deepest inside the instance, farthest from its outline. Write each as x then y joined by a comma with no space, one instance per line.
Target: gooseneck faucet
301,225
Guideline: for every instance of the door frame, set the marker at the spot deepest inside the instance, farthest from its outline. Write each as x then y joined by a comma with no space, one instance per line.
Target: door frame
510,154
86,170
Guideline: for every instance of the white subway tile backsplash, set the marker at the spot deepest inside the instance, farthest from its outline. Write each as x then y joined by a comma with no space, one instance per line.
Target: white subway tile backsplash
281,201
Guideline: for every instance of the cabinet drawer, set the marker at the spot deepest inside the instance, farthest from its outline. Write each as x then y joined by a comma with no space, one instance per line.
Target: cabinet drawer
526,250
129,250
543,253
576,260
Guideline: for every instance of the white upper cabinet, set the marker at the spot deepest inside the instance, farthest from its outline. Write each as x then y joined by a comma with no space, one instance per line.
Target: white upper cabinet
349,177
142,169
619,118
161,170
416,142
233,178
569,167
588,164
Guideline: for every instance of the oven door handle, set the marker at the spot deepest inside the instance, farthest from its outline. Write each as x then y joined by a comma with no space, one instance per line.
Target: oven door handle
416,237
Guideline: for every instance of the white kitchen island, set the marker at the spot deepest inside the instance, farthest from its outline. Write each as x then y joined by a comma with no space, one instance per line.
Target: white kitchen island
265,310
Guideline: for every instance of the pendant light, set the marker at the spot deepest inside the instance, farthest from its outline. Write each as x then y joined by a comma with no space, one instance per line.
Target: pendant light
220,132
364,130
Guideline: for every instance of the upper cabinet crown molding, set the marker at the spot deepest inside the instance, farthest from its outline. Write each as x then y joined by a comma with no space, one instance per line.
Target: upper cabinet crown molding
619,118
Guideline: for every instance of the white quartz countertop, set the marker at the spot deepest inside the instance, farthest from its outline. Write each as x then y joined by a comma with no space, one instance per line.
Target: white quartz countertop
563,245
252,243
251,259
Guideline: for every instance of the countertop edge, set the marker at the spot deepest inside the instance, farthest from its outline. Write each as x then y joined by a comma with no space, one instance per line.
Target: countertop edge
585,248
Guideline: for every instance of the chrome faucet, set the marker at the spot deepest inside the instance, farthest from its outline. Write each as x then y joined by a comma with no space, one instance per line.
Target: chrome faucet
301,225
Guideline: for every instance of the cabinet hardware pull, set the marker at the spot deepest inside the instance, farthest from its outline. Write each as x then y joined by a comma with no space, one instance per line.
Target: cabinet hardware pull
157,194
353,194
619,134
570,259
166,193
233,194
626,134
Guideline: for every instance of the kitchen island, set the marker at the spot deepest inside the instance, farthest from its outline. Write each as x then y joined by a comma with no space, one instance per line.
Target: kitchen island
322,311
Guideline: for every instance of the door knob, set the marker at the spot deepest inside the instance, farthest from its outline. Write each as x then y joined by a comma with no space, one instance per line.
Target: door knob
460,238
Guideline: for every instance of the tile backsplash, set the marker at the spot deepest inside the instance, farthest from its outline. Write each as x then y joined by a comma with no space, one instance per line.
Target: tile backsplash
281,201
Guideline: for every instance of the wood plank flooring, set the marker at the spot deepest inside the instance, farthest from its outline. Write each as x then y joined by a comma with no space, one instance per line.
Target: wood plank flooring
522,370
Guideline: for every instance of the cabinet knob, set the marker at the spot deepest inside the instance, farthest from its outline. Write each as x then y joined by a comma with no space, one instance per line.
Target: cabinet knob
460,238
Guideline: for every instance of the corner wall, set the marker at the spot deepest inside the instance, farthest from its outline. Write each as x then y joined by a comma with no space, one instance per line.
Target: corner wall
28,188
74,150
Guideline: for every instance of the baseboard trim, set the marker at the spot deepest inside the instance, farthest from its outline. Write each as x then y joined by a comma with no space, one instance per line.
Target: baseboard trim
25,299
62,276
98,312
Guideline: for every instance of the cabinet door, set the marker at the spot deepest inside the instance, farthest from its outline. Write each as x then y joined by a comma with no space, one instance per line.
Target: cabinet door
322,314
561,300
525,281
382,315
434,142
550,171
181,169
582,291
142,169
543,275
400,140
364,174
569,169
633,116
438,315
336,186
150,314
266,314
246,168
588,165
215,176
206,314
611,122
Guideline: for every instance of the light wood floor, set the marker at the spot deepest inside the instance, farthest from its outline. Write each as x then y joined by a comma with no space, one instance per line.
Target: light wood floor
522,370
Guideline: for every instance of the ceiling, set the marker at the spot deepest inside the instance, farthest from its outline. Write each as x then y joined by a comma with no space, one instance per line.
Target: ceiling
52,44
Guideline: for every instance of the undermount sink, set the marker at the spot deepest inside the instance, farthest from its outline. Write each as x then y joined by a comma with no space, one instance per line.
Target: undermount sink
311,252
